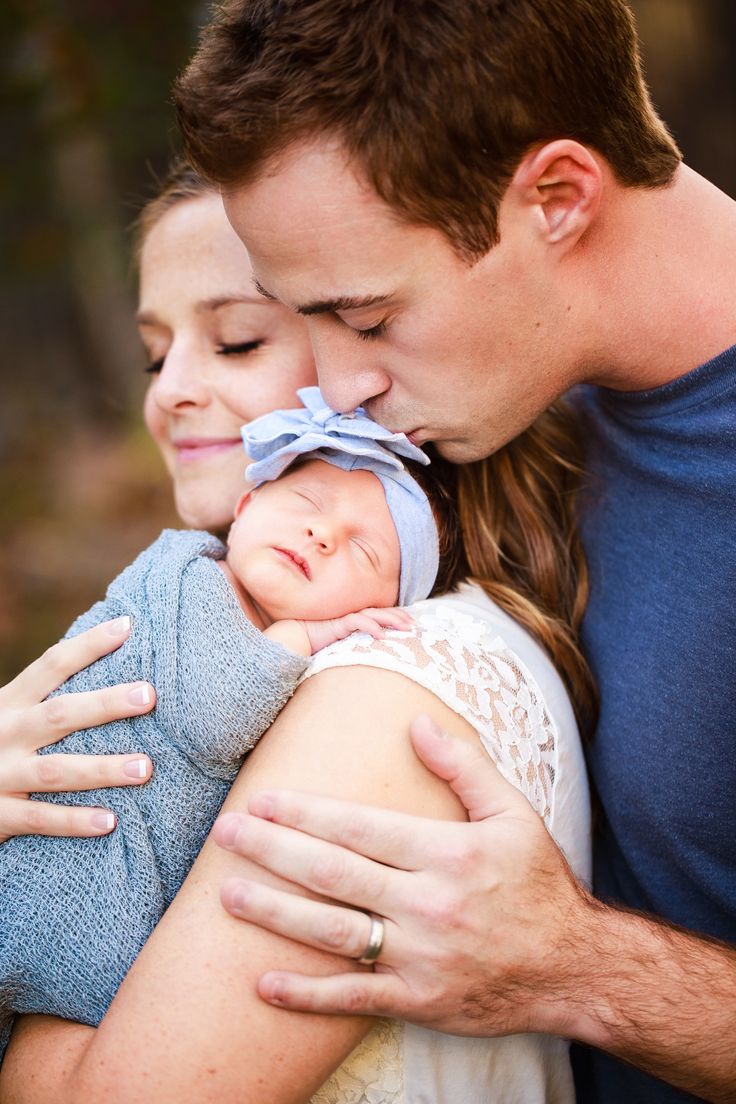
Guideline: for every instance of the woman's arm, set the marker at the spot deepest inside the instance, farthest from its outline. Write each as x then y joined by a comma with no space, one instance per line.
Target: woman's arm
29,722
657,996
187,1024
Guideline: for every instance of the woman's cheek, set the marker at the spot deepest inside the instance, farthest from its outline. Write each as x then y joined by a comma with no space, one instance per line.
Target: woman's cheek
155,423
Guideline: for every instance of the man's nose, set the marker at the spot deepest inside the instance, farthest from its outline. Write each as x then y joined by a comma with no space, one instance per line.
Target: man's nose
348,375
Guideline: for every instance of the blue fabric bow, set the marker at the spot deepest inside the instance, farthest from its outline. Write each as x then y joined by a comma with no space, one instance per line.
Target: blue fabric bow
350,441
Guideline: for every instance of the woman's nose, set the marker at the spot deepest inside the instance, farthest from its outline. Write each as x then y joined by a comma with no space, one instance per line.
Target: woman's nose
181,381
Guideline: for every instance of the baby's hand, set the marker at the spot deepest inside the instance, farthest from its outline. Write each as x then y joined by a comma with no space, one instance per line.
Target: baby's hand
373,621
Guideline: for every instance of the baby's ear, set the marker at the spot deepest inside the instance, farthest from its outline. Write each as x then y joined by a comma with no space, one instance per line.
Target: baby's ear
242,501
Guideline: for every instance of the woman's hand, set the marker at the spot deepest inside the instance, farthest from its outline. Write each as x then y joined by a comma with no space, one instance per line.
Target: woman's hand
29,722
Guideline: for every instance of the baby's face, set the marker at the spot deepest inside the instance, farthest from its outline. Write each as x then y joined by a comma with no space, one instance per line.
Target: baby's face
317,543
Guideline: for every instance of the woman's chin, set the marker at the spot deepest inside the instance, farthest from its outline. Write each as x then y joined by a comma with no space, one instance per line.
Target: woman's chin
201,507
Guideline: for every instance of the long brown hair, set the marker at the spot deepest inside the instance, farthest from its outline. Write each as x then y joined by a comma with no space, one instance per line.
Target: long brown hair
517,511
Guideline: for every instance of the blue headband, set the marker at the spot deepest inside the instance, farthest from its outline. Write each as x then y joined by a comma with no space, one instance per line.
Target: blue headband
276,440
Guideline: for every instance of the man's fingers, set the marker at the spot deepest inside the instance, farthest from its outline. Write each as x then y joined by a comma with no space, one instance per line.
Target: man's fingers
467,767
62,773
50,720
39,818
327,927
64,659
318,866
397,839
357,994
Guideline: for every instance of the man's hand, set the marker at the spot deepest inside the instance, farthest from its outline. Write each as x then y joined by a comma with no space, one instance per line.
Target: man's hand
486,930
476,915
29,722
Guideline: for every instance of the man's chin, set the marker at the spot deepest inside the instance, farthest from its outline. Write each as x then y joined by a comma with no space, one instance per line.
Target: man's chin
463,452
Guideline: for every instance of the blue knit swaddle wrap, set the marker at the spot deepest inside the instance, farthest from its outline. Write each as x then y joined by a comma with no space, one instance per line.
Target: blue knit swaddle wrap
349,441
74,913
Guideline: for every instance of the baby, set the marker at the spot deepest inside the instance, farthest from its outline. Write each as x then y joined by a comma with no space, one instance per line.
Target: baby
334,524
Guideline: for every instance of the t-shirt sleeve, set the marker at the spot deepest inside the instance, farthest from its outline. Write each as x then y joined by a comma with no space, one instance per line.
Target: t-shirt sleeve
481,679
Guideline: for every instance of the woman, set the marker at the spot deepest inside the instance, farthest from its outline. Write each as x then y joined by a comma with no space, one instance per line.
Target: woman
187,1023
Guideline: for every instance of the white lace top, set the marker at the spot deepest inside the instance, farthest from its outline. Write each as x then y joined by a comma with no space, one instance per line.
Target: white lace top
487,669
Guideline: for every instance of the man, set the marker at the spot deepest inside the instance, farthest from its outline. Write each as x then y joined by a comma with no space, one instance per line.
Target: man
476,208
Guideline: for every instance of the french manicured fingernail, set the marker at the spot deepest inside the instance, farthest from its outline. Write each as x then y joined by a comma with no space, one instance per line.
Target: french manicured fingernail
103,822
119,626
140,694
227,830
136,768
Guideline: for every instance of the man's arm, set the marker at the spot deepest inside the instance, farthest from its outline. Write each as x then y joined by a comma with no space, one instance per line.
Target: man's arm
489,933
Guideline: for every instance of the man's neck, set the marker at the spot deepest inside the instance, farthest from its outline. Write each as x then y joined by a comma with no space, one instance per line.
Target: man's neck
662,297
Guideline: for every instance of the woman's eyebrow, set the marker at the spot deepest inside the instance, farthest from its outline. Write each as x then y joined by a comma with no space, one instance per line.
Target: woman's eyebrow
150,318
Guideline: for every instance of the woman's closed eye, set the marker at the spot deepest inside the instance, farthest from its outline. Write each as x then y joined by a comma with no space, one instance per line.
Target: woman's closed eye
240,348
223,348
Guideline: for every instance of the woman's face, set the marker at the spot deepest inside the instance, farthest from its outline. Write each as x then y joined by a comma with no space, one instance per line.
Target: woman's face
219,354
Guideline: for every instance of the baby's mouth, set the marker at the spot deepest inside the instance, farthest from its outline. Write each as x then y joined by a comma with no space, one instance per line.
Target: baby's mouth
297,560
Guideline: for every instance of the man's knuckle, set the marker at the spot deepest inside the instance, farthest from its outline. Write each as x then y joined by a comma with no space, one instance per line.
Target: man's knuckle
328,872
355,998
337,932
442,910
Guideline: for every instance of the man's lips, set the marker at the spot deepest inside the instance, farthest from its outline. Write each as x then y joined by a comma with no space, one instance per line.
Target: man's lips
298,561
203,448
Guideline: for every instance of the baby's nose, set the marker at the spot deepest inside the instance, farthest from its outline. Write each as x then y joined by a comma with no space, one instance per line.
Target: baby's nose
322,533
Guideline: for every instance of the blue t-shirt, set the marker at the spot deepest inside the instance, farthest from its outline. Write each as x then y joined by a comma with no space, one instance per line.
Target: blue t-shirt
659,527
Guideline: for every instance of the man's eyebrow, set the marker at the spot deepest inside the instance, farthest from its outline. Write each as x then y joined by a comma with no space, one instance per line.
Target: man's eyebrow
330,306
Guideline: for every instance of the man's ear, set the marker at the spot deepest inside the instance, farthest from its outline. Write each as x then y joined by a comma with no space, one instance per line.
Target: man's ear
563,182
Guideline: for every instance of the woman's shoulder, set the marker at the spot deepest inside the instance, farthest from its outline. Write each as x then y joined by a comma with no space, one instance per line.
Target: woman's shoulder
488,669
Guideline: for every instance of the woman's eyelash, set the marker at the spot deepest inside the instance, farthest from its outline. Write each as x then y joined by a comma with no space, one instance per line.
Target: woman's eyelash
223,349
242,347
371,333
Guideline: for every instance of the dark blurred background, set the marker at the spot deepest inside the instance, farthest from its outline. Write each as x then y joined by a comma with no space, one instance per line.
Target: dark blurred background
87,128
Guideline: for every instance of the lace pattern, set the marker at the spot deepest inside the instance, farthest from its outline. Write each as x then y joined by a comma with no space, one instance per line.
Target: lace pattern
372,1073
453,655
478,676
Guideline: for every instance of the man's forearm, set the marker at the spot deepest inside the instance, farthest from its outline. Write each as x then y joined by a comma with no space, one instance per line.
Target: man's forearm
660,998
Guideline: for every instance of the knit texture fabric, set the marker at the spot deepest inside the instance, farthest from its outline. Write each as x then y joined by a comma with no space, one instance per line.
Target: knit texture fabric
74,913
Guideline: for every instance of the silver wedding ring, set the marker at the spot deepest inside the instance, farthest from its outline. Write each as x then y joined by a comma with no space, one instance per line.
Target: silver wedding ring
375,940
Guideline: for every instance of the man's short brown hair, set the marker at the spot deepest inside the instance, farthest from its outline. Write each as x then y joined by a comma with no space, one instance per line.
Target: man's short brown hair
436,101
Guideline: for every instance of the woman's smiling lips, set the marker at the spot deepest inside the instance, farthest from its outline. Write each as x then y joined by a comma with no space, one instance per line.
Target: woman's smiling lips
295,560
203,448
